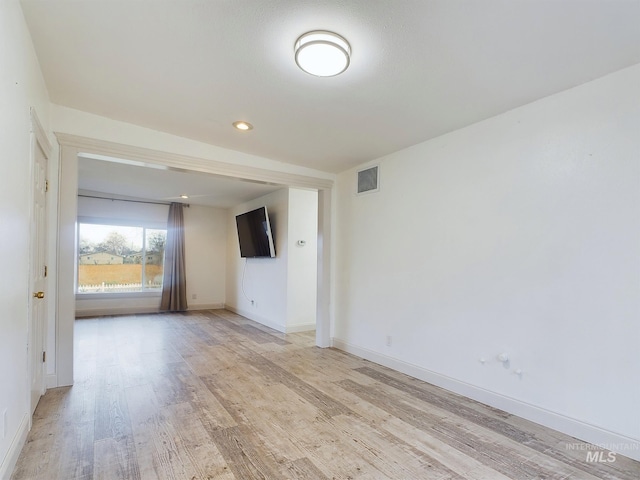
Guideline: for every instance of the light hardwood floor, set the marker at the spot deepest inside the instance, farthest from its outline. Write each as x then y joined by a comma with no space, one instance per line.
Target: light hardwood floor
212,395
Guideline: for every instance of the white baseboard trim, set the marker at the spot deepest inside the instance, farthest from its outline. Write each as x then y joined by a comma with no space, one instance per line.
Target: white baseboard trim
51,381
98,312
302,327
609,440
206,306
256,318
9,462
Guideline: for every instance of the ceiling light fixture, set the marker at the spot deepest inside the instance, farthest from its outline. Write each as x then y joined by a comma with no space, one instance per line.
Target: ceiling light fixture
322,53
244,126
184,196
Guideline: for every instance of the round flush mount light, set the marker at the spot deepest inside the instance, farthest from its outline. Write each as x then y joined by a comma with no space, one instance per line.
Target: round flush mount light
322,53
243,126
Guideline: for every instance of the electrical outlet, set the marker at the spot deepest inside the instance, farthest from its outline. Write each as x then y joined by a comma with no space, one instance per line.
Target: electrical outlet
194,296
388,340
3,424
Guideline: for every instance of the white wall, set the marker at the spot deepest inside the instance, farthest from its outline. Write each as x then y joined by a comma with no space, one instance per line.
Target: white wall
302,279
21,87
264,279
519,234
283,289
205,255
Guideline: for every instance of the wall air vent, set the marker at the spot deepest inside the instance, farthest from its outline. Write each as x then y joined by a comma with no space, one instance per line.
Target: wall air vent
368,180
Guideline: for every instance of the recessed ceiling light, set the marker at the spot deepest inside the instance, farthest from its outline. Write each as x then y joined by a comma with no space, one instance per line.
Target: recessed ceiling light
244,126
322,53
184,196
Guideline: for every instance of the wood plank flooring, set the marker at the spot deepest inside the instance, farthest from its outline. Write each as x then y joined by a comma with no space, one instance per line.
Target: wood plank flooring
212,395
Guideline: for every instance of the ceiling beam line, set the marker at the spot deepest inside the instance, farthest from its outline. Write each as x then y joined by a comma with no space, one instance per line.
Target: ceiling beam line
131,201
193,164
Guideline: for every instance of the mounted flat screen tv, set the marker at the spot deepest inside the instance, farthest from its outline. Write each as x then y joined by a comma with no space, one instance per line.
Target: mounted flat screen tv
254,234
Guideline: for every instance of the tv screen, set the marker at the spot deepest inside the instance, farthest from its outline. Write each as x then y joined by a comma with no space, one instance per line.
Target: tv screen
254,234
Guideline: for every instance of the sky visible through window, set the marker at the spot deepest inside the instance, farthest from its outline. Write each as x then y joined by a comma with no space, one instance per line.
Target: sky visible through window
97,234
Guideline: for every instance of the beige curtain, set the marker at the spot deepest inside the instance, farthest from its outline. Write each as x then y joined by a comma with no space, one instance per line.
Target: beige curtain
174,285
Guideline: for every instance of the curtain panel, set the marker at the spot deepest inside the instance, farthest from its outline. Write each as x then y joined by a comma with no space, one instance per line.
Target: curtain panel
174,285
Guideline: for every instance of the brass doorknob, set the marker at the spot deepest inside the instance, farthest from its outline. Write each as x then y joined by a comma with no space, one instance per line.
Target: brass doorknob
38,294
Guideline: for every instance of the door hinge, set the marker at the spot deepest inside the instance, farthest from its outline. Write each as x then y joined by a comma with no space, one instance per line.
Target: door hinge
45,271
46,185
44,357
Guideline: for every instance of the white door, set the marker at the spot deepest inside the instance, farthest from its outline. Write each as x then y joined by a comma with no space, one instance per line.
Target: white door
37,325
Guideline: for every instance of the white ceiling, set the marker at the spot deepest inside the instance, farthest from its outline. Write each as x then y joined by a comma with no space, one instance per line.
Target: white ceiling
115,178
419,68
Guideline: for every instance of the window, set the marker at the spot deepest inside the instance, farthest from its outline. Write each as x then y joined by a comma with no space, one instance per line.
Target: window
116,258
